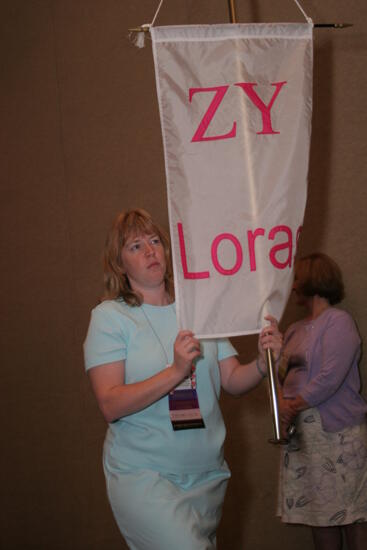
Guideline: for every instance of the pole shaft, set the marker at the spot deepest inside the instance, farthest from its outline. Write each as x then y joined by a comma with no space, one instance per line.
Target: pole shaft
232,11
273,398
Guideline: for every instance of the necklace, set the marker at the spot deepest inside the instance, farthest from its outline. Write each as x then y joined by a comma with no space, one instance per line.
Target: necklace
155,332
181,417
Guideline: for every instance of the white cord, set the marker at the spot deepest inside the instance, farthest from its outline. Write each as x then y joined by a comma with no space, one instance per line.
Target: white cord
138,38
308,19
156,13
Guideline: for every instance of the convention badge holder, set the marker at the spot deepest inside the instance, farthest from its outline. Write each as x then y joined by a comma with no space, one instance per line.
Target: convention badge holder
184,410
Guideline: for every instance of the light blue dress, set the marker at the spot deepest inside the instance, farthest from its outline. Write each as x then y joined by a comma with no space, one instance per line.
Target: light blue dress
166,487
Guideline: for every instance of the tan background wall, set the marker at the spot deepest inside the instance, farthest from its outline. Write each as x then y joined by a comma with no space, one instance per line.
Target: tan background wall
80,140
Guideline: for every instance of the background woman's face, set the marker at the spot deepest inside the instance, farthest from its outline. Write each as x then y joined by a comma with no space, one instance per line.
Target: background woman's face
301,299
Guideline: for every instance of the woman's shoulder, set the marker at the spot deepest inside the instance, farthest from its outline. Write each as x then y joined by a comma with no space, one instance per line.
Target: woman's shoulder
114,310
330,316
111,305
336,315
338,324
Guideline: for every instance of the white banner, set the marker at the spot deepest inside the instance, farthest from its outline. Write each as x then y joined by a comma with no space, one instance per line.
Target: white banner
235,104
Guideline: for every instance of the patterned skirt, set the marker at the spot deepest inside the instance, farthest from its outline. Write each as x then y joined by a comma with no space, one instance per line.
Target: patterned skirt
323,475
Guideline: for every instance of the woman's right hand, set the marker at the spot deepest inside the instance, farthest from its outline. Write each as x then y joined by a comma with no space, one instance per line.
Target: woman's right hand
186,349
289,408
286,413
270,337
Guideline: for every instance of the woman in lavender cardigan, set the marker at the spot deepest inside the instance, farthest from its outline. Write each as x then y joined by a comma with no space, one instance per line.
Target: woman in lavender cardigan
323,481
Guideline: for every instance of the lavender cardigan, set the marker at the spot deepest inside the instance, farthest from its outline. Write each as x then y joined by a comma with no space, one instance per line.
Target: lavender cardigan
322,359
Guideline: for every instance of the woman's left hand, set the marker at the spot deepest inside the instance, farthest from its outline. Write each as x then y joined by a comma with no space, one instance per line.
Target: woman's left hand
271,337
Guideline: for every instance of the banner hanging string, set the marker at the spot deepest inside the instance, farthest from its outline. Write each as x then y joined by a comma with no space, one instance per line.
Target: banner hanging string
308,19
137,36
156,13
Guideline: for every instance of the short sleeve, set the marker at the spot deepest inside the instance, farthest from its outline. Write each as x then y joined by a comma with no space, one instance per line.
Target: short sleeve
225,349
105,341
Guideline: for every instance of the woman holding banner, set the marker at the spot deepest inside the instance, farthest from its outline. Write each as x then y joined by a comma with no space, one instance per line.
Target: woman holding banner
159,389
324,469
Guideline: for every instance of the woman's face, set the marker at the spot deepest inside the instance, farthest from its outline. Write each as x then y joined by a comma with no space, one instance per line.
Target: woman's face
301,299
144,262
298,296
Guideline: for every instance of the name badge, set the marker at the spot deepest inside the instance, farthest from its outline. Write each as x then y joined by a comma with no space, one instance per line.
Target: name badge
184,410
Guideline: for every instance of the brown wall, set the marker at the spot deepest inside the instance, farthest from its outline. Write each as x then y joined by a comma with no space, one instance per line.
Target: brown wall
80,139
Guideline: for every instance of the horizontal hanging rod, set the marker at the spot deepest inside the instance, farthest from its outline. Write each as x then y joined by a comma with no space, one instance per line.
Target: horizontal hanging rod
146,28
233,19
333,25
140,29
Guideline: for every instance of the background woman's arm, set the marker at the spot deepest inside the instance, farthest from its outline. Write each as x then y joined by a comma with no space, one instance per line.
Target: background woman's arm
339,348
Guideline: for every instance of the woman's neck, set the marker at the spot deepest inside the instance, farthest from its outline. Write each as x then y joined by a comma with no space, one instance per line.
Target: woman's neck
156,297
318,306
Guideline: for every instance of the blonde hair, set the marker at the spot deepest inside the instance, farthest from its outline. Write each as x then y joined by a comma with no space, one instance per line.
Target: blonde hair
131,224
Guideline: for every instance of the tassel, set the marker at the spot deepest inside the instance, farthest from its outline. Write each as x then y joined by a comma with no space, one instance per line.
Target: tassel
137,36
